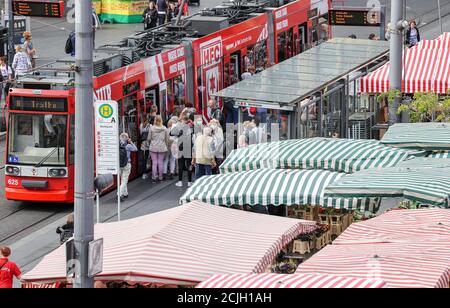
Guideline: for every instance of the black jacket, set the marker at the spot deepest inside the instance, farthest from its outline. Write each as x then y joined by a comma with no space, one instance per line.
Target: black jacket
408,34
150,17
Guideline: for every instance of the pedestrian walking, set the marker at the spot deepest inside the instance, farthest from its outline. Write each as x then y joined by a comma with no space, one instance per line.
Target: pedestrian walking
144,130
95,24
150,16
158,139
162,11
126,148
183,134
204,154
66,231
21,62
8,269
412,35
152,114
6,77
29,49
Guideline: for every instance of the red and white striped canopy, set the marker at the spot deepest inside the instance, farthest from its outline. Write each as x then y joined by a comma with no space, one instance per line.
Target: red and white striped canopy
400,226
296,281
55,285
405,248
426,68
184,245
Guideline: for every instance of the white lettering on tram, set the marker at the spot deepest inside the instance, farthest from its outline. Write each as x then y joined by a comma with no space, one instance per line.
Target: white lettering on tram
103,93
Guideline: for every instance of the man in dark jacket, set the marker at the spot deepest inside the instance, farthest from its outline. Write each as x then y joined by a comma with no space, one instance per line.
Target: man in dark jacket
162,10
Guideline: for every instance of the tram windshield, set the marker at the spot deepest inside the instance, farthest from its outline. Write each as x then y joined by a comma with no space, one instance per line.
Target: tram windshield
37,139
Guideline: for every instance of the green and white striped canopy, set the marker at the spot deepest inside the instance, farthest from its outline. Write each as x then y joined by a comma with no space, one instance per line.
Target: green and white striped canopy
427,185
426,136
442,154
425,162
273,187
341,155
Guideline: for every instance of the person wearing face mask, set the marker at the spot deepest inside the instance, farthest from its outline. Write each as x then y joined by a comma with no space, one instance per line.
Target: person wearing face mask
126,148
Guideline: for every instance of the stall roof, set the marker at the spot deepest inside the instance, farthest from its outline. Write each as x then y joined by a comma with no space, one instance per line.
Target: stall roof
294,79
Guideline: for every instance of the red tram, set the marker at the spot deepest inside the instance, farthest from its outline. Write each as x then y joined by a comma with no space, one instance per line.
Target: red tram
41,128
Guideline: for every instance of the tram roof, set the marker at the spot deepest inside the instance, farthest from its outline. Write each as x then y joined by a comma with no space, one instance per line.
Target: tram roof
295,79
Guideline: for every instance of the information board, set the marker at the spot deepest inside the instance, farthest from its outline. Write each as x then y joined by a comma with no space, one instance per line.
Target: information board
346,17
107,137
39,8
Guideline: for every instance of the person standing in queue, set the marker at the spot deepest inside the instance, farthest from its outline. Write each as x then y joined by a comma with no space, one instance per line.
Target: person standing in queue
162,11
8,269
158,139
126,147
204,154
183,134
150,16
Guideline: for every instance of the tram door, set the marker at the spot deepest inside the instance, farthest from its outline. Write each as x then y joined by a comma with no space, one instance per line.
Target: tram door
300,42
129,124
285,45
232,71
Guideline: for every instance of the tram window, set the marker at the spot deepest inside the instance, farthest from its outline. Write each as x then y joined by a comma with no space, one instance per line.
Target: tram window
37,139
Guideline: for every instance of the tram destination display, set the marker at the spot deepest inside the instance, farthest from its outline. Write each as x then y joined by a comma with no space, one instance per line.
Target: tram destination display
42,104
39,8
346,17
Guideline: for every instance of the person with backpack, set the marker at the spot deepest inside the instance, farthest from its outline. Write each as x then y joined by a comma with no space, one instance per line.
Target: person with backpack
126,147
8,269
70,44
150,16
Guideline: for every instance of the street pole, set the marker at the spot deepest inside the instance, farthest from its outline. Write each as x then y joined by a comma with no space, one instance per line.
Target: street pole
396,54
440,16
10,10
84,140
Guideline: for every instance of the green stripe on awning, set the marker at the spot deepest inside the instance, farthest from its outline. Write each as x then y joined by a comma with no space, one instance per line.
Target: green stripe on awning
427,185
341,155
273,187
427,136
441,155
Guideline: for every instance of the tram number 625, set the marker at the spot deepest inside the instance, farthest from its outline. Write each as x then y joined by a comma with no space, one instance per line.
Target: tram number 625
13,182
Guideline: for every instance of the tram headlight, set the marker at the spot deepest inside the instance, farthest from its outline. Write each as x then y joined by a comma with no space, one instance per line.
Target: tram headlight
57,173
10,170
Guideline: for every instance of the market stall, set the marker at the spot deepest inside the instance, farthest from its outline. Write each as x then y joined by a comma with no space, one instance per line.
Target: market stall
427,184
404,248
180,246
121,11
421,136
274,187
401,265
296,281
341,155
403,226
425,69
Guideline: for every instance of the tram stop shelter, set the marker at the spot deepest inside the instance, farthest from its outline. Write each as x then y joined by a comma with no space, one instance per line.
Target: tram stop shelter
314,94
